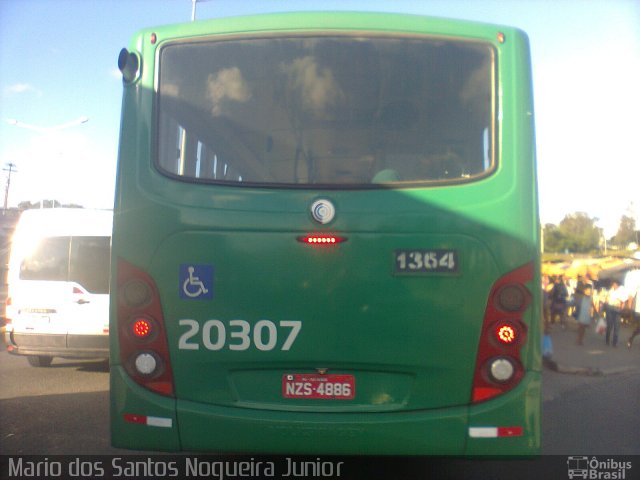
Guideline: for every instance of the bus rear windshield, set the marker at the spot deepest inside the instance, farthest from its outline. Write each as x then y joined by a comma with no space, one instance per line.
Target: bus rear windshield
326,111
84,260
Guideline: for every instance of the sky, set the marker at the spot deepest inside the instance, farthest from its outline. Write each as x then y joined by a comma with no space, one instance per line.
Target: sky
58,65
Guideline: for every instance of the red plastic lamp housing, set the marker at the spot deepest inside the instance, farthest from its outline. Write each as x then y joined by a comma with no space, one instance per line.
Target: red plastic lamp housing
499,366
144,351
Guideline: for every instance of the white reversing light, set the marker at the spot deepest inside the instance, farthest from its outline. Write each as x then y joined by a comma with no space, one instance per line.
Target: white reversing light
146,363
502,369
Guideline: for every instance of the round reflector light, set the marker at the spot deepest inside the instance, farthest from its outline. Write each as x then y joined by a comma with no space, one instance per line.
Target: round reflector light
512,298
136,293
501,370
146,363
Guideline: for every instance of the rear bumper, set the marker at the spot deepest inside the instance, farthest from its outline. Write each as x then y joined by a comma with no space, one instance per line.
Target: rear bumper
69,346
183,425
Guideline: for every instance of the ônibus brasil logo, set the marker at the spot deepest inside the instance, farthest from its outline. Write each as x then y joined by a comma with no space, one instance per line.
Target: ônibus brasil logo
597,468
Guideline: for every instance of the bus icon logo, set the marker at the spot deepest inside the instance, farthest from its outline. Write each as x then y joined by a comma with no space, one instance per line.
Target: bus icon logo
196,282
323,211
578,467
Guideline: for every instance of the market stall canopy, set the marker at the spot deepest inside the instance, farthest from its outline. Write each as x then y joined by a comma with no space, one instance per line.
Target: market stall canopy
596,268
555,268
618,272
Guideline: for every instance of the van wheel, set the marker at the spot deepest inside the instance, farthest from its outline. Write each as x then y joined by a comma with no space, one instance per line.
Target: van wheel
39,360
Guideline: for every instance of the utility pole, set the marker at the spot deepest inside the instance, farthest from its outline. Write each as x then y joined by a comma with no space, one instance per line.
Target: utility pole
10,167
39,129
194,4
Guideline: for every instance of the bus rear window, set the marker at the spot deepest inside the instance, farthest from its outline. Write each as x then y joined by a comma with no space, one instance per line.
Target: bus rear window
84,260
326,111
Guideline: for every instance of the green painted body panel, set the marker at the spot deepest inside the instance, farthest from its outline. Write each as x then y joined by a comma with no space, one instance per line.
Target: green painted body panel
347,324
410,340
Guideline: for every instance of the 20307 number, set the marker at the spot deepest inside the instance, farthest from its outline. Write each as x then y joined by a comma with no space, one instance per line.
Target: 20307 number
237,335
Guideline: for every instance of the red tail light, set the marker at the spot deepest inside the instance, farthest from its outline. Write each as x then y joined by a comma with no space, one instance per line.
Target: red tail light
144,351
499,366
142,328
8,303
507,333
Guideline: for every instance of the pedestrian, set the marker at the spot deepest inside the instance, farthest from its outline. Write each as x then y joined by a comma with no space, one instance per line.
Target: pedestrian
570,285
581,284
547,349
559,300
617,298
586,310
635,308
547,285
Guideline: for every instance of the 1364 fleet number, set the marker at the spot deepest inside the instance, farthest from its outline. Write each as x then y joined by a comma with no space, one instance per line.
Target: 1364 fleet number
426,261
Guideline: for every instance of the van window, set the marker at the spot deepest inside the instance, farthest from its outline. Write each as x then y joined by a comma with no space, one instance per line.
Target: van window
90,257
48,261
84,260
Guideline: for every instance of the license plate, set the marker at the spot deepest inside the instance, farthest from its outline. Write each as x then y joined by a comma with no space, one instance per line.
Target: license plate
315,386
35,321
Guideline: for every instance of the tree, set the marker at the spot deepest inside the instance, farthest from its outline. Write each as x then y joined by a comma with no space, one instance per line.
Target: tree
580,232
577,233
553,239
26,205
626,232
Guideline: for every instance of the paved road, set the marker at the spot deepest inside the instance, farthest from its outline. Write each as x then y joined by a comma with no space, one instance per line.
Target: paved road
64,409
598,416
597,413
58,410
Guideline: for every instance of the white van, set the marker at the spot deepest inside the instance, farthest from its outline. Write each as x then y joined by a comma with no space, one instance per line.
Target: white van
58,285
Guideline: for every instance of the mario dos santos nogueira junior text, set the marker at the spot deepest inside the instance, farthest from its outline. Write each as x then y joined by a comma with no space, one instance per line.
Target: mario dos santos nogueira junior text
171,467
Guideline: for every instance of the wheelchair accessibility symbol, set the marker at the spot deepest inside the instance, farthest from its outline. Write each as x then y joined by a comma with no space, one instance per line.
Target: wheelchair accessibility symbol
196,282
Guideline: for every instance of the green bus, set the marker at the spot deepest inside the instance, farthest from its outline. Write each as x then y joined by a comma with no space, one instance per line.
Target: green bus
326,238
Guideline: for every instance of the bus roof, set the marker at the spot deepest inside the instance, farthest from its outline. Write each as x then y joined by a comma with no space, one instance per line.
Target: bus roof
328,21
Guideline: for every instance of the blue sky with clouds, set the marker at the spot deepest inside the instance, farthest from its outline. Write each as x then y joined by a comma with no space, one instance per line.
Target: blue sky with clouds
58,63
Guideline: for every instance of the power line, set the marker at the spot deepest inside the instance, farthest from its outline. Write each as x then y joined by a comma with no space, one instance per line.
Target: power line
10,167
